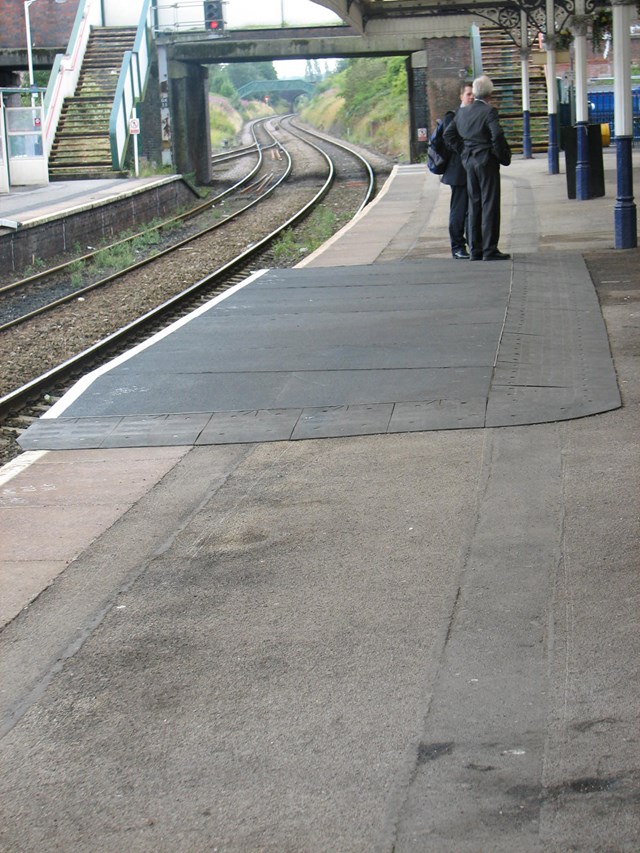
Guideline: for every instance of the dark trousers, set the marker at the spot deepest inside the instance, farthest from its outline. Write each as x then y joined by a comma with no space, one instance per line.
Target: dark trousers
458,218
483,186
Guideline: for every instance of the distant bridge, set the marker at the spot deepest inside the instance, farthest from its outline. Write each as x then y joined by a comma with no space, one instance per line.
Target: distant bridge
288,90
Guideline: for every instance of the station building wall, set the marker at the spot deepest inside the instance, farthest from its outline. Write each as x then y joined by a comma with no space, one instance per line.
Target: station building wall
50,22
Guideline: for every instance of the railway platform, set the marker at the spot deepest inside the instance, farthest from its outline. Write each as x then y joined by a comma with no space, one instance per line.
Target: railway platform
44,221
345,561
29,206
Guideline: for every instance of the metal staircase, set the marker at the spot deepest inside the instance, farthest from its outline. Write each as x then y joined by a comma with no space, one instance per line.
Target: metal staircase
501,62
81,148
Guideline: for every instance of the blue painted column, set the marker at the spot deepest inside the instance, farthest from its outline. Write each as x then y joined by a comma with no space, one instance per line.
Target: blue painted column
579,26
553,152
526,135
625,216
583,170
624,212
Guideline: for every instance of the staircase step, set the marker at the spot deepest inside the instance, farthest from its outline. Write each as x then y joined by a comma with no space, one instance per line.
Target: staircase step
81,174
82,148
91,159
78,127
78,140
501,62
76,145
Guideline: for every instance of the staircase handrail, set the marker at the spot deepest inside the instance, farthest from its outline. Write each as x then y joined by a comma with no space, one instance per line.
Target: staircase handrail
132,83
66,68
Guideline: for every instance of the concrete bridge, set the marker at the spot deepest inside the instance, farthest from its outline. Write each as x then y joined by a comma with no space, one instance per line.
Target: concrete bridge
187,55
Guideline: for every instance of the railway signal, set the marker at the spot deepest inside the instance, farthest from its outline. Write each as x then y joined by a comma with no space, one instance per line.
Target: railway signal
213,16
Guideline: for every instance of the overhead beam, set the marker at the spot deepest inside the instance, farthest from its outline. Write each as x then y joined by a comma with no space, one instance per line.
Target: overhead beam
397,38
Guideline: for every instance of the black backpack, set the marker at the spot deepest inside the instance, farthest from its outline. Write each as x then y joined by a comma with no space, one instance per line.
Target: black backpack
437,152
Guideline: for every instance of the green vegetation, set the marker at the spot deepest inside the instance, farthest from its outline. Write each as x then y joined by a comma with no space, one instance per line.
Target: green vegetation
76,269
34,267
121,254
148,170
295,244
227,112
116,257
225,122
366,102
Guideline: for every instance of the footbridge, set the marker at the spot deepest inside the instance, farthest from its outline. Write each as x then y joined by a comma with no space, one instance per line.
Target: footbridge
287,90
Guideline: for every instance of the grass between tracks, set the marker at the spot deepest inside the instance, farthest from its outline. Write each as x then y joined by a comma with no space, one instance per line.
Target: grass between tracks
306,238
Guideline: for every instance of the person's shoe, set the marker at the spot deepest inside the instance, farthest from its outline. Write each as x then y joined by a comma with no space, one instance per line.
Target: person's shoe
461,254
475,257
497,256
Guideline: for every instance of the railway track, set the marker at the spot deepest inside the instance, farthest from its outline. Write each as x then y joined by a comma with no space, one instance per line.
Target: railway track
47,289
21,404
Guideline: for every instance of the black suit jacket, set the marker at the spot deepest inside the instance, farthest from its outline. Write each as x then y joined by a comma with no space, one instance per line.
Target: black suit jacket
455,175
476,130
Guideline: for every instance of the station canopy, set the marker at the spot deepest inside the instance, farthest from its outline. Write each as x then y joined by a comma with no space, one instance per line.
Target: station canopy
359,13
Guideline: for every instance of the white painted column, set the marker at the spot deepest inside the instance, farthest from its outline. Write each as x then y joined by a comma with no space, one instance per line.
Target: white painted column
579,27
552,89
526,86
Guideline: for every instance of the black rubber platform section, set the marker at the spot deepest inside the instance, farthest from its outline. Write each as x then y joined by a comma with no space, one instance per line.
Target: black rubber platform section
387,348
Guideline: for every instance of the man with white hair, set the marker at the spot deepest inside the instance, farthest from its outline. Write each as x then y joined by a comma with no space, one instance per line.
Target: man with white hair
476,134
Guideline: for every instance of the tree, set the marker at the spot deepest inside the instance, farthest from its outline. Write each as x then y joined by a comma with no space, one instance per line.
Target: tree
219,82
241,73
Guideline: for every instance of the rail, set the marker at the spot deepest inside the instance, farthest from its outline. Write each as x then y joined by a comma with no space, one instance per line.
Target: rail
222,277
67,267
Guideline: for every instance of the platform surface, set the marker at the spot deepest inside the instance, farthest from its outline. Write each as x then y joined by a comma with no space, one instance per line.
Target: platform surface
423,642
356,350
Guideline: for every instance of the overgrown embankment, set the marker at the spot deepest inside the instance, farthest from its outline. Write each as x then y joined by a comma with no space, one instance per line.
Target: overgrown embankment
365,102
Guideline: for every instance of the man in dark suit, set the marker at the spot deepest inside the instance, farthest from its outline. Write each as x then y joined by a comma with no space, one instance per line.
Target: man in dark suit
455,176
476,134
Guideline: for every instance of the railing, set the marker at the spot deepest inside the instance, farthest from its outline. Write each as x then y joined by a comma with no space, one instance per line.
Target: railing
601,110
132,83
66,67
185,16
4,155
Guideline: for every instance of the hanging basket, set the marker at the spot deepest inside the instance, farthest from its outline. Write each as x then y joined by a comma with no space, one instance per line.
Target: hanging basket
601,28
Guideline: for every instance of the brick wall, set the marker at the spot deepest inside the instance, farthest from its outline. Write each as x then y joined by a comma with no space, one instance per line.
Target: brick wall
103,221
447,62
51,24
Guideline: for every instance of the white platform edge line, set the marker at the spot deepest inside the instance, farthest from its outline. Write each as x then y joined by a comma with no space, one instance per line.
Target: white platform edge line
19,464
82,384
94,201
352,222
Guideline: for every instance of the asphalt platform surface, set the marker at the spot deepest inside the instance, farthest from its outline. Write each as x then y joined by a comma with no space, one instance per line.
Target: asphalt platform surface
403,641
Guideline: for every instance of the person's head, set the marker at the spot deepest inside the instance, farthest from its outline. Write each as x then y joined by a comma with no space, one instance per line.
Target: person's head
482,87
466,93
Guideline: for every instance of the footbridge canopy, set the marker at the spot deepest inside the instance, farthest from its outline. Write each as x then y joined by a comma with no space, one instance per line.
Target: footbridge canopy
370,16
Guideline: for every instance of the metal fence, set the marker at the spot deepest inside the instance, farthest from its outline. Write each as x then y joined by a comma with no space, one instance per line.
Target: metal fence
601,111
